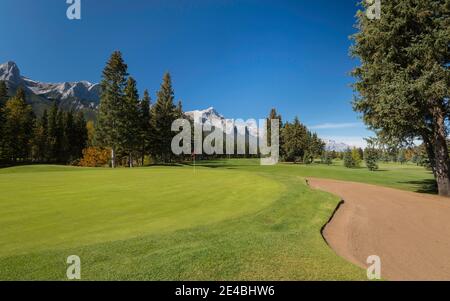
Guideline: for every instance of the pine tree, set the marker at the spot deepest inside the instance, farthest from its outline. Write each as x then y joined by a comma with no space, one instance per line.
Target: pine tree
371,158
40,138
130,131
110,116
18,128
402,83
80,140
163,114
52,136
179,110
348,159
273,115
61,143
3,93
145,126
356,157
70,147
3,99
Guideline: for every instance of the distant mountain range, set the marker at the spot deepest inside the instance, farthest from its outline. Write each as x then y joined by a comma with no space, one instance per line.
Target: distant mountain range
215,118
80,95
210,115
331,145
85,96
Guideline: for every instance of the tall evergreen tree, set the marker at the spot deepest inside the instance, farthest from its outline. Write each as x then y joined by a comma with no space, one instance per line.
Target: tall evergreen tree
110,115
145,126
403,80
52,135
80,141
371,158
69,138
3,93
130,131
40,138
163,114
348,158
274,115
179,110
3,99
295,141
61,141
18,127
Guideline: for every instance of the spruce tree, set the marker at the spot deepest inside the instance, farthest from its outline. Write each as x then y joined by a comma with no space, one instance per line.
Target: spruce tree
179,110
52,135
81,136
145,126
402,82
61,143
371,158
273,115
3,94
163,114
356,157
40,138
69,137
18,127
3,99
110,116
348,159
130,130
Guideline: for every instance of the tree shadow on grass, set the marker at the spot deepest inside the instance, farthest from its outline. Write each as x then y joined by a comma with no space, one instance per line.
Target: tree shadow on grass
209,165
223,163
424,186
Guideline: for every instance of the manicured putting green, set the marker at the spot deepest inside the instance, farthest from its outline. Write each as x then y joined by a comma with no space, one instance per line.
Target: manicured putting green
51,207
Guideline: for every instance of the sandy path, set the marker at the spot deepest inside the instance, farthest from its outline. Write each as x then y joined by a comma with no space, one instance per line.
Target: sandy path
409,231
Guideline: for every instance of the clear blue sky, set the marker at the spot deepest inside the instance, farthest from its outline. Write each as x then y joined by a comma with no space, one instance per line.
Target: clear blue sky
242,57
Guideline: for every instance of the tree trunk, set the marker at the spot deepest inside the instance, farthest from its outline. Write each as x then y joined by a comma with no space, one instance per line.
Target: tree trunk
442,161
113,158
430,152
130,159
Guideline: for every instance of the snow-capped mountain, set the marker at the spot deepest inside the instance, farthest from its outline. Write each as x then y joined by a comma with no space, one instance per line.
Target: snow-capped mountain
210,114
215,119
79,94
331,145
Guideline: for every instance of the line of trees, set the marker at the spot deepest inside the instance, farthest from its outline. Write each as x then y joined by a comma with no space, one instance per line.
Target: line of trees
128,129
55,137
297,143
131,127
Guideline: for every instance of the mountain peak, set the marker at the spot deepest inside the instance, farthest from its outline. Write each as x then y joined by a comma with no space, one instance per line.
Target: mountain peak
10,72
74,92
332,145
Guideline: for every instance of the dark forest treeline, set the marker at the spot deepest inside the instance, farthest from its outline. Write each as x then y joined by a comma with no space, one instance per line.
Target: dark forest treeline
55,137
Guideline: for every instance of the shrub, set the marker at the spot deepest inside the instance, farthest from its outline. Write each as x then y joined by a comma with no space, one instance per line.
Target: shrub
371,158
95,157
348,159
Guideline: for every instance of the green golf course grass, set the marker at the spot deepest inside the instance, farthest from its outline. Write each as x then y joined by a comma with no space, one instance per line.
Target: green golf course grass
222,220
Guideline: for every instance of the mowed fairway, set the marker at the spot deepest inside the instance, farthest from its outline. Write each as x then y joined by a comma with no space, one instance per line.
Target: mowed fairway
226,220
